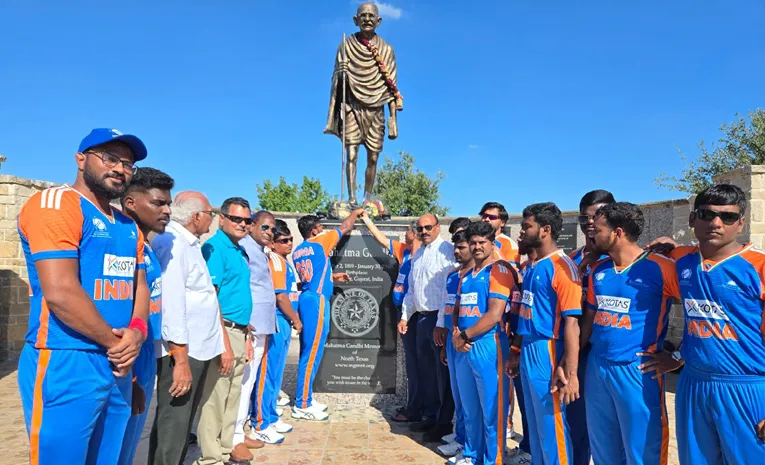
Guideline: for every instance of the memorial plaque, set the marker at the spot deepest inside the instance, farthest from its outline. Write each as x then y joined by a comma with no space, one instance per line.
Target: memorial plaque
360,352
567,238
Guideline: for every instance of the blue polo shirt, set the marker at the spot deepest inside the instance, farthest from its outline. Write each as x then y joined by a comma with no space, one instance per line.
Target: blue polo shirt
230,272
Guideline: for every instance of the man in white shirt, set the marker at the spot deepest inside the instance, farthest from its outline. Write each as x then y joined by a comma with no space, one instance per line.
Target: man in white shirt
191,329
426,297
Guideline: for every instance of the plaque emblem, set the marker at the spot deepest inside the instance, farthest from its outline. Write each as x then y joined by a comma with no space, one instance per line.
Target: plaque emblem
355,312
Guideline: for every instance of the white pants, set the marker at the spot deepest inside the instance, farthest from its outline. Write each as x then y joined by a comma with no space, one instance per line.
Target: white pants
248,383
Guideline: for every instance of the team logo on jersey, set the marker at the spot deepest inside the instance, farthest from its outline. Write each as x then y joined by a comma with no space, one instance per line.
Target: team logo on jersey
101,230
704,309
355,312
119,266
600,276
471,298
156,288
686,273
132,235
613,304
731,285
528,298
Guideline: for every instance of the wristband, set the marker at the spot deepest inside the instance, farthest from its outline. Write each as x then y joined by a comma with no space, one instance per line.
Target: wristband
516,350
140,325
172,351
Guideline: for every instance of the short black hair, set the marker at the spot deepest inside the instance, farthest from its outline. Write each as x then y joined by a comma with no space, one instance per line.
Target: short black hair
501,208
459,236
721,194
146,178
480,228
458,223
282,229
546,214
594,198
234,201
627,216
260,214
306,225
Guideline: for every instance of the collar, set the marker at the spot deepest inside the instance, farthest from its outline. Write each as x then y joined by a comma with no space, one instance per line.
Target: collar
436,242
227,240
183,232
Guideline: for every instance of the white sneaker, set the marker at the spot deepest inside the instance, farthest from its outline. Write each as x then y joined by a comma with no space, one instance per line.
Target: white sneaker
451,449
282,401
319,406
456,458
449,438
511,434
282,427
517,457
268,436
279,411
310,413
465,461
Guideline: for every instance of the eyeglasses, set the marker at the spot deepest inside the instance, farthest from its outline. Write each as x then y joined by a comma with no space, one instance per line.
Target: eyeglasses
265,227
238,219
729,218
427,227
584,219
487,216
286,240
209,212
110,161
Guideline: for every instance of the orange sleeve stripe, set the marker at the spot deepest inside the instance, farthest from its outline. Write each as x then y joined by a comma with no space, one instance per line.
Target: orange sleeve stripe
756,258
261,389
42,331
51,221
560,432
681,251
312,355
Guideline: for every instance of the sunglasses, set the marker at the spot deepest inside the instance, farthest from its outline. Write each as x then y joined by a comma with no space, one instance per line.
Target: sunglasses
286,240
584,219
487,216
265,227
705,214
238,219
427,227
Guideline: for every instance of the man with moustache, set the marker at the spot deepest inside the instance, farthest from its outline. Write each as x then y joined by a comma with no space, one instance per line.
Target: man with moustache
191,331
427,297
229,269
147,201
89,306
496,215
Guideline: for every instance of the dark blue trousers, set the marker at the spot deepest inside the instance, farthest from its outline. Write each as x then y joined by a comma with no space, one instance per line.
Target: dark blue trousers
414,396
427,366
524,445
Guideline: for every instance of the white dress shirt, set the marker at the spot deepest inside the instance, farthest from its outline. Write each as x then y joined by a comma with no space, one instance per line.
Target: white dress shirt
190,311
427,281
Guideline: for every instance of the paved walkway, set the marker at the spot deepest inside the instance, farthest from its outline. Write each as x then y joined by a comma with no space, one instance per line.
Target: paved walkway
352,436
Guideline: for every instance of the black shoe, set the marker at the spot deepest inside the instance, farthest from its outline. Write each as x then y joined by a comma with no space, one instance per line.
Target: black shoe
436,433
192,438
422,426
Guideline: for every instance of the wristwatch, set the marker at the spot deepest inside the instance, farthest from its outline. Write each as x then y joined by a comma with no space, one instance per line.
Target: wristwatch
464,337
676,356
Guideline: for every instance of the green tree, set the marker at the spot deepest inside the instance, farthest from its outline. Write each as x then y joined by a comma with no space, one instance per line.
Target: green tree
406,190
284,197
742,143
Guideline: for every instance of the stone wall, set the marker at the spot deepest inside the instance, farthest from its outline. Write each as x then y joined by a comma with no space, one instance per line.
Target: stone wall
14,282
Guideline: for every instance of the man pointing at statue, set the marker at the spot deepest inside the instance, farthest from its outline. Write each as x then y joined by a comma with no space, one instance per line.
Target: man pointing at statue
368,65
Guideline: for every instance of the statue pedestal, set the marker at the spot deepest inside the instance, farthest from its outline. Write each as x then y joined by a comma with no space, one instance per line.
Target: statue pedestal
363,360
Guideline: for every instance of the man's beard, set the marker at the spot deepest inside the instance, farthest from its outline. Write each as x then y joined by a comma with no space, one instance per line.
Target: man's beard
98,185
530,243
602,250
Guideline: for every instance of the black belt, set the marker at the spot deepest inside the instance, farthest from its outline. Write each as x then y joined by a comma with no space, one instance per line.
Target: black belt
231,325
427,311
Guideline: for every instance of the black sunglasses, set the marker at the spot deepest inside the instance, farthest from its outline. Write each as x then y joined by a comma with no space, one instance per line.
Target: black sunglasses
427,227
265,227
584,219
705,214
238,219
285,240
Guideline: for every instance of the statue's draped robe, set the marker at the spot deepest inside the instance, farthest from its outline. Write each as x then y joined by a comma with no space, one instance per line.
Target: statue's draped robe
367,93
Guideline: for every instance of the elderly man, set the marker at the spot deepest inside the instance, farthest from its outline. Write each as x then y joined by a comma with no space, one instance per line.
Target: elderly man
229,268
427,298
191,330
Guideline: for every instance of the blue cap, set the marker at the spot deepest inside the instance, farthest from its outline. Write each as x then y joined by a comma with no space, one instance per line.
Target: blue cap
100,136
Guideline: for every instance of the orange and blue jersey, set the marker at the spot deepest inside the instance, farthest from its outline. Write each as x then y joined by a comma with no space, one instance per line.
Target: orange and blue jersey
493,281
284,279
402,253
632,306
506,249
552,290
60,223
154,280
452,287
577,256
312,262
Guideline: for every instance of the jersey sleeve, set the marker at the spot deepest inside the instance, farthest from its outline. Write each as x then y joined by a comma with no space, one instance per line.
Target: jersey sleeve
681,251
591,294
397,249
51,221
140,250
501,282
567,286
278,273
216,265
669,277
329,240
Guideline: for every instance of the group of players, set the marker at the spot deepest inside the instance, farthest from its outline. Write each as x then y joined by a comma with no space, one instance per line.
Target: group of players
582,337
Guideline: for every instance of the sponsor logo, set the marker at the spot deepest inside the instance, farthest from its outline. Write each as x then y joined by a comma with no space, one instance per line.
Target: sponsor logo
119,266
355,312
471,298
704,309
102,231
600,276
528,298
156,288
451,299
99,224
401,278
614,304
686,273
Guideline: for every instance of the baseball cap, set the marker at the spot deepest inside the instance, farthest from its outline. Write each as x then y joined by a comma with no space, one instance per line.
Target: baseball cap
100,136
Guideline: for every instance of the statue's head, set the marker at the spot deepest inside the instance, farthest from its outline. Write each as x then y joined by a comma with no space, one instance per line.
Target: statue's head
367,17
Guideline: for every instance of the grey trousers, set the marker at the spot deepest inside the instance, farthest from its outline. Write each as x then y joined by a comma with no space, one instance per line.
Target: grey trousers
175,415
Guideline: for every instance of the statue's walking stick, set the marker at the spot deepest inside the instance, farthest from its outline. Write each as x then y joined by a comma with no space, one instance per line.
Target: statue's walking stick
342,118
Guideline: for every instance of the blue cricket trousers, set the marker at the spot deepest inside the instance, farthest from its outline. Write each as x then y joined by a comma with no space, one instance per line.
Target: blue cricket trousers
270,375
314,313
454,358
576,415
145,371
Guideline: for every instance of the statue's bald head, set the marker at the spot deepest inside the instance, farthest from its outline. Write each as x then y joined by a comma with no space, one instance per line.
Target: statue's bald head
367,18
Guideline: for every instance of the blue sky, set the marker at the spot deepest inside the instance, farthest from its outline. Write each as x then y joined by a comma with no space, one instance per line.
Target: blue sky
517,101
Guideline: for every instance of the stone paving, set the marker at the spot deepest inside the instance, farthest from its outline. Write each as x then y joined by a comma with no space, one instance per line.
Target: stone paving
352,436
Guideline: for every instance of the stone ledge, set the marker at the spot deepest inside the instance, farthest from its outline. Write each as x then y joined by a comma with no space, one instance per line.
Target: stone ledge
9,179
